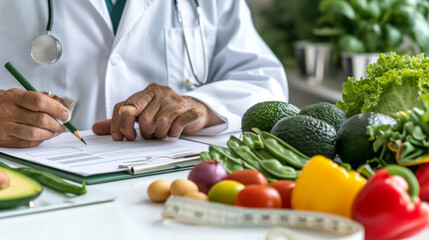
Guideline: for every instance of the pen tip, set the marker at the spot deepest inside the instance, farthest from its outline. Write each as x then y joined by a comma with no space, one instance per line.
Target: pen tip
83,141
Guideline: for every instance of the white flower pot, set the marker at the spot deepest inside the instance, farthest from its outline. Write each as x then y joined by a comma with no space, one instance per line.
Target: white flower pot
314,59
354,64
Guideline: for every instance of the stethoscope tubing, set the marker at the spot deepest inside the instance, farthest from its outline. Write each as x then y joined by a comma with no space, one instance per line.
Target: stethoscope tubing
50,17
198,13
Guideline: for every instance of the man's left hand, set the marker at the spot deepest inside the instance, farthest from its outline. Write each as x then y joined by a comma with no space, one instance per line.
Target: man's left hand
160,113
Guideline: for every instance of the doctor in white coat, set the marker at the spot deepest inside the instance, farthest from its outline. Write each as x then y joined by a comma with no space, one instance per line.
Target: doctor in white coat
135,71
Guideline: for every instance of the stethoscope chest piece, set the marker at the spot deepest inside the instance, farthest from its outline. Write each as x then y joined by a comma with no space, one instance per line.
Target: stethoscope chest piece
45,49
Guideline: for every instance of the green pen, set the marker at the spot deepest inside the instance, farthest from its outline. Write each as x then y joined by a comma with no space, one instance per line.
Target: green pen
29,87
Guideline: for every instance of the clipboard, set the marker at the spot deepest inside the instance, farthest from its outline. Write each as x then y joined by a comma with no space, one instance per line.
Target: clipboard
153,169
105,177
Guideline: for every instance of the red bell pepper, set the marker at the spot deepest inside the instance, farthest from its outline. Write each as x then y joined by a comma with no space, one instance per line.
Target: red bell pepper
388,205
422,176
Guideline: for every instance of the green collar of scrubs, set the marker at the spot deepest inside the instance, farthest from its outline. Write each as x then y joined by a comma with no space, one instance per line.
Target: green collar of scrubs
115,12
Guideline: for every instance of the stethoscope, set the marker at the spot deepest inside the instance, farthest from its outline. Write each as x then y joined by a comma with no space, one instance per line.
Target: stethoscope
47,49
198,12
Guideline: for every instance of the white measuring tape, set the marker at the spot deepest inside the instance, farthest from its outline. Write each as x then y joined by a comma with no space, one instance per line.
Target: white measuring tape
221,215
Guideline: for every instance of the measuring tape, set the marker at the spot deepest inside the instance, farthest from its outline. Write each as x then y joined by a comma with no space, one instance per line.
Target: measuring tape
208,213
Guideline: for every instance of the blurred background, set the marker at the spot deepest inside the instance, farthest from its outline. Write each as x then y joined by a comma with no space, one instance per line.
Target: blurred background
324,42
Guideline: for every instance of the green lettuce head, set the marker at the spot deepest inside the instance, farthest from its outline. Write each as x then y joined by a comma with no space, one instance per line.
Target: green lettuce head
393,84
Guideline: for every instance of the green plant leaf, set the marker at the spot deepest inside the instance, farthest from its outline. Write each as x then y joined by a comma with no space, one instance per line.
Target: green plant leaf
420,32
402,15
326,31
409,2
350,43
372,39
338,7
392,37
373,10
359,5
386,4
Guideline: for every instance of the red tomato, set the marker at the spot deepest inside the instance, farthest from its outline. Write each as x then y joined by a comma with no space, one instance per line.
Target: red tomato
258,196
247,177
284,187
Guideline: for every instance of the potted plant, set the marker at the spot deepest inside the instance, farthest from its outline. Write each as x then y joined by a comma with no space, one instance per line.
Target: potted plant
362,29
288,31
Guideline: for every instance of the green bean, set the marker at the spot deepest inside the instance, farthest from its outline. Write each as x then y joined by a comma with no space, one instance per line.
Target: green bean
50,180
243,151
2,164
228,161
205,156
283,143
274,167
231,156
281,150
251,139
247,155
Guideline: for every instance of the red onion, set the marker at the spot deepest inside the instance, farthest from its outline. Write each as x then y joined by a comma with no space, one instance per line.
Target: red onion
206,174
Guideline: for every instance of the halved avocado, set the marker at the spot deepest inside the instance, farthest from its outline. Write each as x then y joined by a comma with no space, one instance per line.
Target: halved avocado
21,190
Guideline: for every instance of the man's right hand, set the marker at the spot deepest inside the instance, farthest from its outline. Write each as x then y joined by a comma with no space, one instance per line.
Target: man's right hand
29,118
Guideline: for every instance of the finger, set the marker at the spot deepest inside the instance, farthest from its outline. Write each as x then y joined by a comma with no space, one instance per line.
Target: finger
29,133
126,123
38,102
13,142
130,110
102,127
135,105
114,124
181,122
61,130
146,120
56,98
36,119
164,119
162,126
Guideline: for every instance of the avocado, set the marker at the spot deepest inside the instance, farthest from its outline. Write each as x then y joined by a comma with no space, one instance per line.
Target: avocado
264,115
21,190
310,136
353,144
327,112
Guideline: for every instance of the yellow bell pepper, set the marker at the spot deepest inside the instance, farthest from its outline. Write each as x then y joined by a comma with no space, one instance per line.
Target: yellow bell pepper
324,186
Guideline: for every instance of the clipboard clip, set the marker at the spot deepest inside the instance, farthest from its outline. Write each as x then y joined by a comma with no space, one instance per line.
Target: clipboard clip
179,161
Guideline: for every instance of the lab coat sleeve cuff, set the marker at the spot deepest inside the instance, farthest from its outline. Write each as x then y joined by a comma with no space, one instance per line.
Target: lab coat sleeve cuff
232,121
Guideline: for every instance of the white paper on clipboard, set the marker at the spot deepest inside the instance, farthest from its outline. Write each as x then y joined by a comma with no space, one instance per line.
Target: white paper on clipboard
102,154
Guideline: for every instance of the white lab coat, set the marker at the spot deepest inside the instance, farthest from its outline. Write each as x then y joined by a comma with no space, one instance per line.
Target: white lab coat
99,69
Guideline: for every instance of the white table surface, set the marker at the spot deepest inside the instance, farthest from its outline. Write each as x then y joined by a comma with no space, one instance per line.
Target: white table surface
131,216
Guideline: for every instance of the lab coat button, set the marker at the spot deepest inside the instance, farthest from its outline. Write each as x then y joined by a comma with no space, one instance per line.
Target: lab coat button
115,60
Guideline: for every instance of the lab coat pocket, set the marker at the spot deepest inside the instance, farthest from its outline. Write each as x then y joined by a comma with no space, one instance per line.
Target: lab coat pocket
178,66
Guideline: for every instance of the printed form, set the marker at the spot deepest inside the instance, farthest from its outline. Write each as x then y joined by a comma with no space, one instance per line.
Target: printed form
102,154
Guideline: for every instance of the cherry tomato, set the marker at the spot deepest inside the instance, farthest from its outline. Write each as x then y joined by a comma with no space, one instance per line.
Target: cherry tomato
225,191
258,196
247,177
284,187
